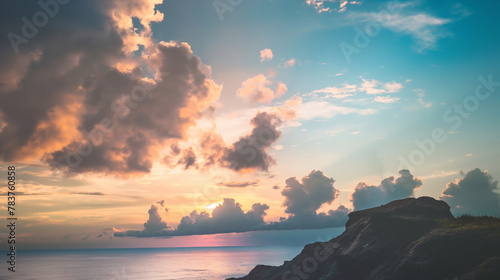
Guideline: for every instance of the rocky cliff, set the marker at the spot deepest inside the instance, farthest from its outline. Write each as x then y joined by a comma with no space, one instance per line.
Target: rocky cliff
404,239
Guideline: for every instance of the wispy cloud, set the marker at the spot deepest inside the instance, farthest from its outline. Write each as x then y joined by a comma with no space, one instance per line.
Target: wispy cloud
338,92
290,63
370,87
239,184
386,99
424,28
323,109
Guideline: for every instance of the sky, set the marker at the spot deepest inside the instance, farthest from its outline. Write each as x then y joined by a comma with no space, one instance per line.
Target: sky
235,123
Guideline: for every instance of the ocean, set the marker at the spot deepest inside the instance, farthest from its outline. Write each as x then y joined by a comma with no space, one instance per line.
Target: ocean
146,264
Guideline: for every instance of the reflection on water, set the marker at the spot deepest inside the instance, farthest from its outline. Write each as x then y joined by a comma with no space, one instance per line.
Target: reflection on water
164,263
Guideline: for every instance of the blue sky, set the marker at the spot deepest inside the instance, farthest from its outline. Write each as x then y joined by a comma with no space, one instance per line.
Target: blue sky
442,55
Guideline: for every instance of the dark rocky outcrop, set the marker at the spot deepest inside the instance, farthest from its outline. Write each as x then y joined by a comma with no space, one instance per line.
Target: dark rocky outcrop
406,239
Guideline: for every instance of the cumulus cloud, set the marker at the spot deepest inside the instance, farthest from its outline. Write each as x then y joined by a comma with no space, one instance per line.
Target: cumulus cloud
155,224
257,89
368,196
308,195
250,151
266,55
101,96
141,125
475,194
82,99
304,198
302,201
225,218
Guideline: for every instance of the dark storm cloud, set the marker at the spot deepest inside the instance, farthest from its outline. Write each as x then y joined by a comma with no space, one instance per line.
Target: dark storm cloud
475,194
366,196
302,199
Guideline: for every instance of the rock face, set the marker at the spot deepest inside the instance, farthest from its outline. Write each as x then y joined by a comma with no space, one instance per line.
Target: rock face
404,240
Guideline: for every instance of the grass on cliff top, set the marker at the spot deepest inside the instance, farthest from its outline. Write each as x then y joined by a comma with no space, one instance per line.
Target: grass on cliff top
468,221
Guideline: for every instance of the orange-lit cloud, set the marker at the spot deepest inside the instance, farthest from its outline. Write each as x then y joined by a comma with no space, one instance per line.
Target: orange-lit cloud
257,89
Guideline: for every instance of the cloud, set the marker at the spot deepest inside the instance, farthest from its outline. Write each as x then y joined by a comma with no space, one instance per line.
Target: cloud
312,220
250,151
421,95
84,101
304,198
290,63
424,28
278,147
155,224
302,201
257,89
188,159
370,87
108,107
141,127
367,196
266,55
439,174
421,26
386,99
376,87
392,87
323,109
320,6
308,195
338,92
239,184
475,194
88,193
225,218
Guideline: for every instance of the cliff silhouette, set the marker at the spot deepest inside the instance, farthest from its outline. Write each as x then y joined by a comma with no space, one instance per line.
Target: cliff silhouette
404,239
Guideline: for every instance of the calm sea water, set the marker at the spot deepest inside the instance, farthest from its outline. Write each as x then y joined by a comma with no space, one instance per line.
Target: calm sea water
147,264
